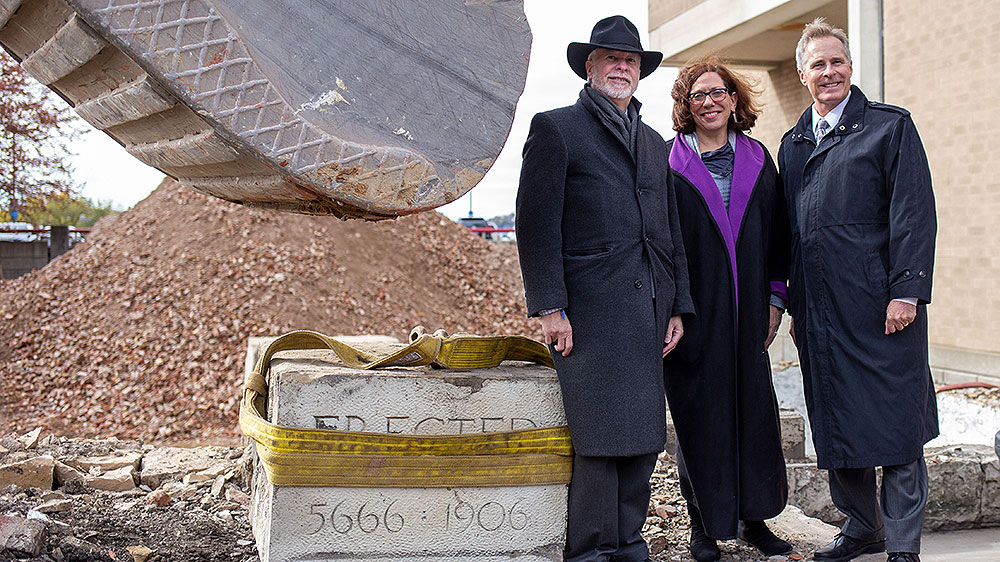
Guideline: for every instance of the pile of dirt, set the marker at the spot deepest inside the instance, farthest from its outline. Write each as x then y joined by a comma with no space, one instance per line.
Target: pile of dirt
140,332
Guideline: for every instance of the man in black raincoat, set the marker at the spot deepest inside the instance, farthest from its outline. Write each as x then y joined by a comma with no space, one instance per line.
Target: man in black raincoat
862,216
604,267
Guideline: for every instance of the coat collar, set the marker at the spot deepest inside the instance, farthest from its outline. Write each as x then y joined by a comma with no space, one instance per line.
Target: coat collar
852,121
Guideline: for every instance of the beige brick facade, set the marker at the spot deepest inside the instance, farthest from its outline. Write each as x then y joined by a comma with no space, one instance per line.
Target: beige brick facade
784,99
939,64
666,10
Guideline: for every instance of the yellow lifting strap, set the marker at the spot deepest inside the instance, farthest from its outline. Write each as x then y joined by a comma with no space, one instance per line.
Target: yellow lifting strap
294,456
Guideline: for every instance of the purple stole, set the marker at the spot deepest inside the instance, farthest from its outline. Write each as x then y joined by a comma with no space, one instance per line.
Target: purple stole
748,163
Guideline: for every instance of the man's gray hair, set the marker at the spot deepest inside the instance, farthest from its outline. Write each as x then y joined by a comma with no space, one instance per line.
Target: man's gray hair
816,29
590,58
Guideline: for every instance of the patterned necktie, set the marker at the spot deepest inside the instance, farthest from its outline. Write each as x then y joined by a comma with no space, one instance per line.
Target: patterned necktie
822,128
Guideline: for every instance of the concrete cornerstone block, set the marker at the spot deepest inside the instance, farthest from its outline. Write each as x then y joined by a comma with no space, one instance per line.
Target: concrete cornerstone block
488,524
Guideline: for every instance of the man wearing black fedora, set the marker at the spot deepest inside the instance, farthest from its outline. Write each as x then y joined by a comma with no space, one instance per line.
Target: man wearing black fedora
604,268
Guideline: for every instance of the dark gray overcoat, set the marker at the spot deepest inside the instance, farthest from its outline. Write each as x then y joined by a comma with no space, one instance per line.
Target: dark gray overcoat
863,224
597,235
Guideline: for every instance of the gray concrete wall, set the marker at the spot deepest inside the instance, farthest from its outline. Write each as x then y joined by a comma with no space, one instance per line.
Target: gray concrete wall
18,258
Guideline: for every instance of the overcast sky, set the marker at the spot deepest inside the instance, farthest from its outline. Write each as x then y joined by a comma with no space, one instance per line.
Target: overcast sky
112,174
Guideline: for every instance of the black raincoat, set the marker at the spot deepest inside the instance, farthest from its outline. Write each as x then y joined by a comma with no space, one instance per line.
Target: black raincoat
863,224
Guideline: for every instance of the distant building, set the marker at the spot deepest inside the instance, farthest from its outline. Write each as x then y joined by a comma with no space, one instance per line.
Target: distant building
937,59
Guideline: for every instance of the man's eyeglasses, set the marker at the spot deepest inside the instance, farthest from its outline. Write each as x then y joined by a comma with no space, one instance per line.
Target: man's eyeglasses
717,95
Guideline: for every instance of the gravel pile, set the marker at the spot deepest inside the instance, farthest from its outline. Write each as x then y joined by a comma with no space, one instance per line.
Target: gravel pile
140,332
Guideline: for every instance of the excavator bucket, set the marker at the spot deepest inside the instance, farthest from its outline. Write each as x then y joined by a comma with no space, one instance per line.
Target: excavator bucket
355,108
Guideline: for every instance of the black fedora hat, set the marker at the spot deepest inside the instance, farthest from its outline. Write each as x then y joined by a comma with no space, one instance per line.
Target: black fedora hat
618,34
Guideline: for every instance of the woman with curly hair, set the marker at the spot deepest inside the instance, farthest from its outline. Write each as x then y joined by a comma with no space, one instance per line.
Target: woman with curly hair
718,379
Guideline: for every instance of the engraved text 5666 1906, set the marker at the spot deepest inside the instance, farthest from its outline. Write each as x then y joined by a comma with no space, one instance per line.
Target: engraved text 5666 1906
455,517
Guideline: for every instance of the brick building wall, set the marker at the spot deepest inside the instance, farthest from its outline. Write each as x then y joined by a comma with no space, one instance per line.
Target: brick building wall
938,65
784,99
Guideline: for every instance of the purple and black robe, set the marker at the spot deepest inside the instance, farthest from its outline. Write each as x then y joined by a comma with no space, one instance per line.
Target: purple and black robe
718,379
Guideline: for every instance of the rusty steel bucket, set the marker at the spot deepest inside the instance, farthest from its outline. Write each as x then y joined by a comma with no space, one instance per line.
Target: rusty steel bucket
363,108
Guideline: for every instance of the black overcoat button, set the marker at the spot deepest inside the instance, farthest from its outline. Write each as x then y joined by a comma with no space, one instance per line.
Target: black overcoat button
638,284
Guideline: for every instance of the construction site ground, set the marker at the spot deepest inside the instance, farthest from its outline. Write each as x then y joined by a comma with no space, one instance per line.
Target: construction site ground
139,333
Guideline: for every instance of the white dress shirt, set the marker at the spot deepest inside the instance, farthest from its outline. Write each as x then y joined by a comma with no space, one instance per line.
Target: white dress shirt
832,118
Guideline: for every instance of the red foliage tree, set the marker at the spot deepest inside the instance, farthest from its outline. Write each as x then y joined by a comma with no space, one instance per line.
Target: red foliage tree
35,128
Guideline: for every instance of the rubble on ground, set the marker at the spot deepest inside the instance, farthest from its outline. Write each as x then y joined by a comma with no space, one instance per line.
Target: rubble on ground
190,505
166,503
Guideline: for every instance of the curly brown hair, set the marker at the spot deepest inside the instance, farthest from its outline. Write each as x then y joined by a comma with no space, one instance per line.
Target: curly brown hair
747,107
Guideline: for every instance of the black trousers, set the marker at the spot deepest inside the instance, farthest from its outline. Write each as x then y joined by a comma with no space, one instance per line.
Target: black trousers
608,503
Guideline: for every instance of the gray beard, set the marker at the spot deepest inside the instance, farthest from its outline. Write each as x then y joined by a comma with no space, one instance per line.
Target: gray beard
602,85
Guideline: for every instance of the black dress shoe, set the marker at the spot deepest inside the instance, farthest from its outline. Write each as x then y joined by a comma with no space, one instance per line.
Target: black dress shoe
844,548
903,557
760,537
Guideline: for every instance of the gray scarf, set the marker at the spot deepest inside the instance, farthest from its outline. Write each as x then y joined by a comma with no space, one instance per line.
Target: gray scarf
624,126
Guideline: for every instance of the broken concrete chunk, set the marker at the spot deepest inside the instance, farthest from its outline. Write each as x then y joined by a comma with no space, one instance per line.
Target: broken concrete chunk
32,473
171,463
234,495
106,463
159,498
195,478
139,553
30,439
67,475
55,506
21,537
214,470
53,495
218,485
118,480
180,491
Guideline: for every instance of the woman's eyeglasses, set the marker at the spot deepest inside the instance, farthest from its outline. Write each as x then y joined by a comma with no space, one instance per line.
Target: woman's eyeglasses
717,95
